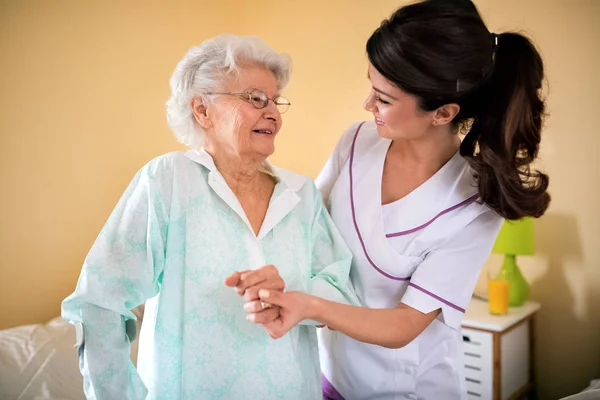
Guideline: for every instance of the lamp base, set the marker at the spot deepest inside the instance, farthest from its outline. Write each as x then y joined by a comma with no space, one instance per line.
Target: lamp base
518,288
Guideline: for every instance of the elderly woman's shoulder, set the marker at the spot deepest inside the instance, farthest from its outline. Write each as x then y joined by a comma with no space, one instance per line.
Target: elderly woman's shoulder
292,180
167,163
303,185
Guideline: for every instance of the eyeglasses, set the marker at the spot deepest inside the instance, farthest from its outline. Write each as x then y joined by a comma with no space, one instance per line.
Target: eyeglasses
259,99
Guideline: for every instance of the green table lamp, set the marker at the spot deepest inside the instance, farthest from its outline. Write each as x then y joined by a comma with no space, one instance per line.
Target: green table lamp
515,238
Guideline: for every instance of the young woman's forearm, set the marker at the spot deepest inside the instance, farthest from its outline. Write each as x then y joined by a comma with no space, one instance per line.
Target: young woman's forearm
391,328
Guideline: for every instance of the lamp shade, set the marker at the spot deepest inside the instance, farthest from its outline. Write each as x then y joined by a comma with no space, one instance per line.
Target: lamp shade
515,237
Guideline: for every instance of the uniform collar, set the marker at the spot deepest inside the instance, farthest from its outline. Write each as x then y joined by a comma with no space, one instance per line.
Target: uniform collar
452,186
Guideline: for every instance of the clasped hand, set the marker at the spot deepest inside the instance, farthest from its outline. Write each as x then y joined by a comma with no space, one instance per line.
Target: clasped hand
266,302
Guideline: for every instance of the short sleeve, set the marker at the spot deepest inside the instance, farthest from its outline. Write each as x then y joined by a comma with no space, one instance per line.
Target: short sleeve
447,276
333,167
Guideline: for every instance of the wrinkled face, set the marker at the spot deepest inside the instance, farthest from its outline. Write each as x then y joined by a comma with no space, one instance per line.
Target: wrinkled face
235,125
397,113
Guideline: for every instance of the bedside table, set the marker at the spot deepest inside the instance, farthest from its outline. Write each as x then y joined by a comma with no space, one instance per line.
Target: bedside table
498,351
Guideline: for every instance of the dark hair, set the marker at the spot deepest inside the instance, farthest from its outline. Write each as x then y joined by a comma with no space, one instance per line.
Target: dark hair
441,52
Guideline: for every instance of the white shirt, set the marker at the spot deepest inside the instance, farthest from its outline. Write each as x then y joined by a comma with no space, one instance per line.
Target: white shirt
424,250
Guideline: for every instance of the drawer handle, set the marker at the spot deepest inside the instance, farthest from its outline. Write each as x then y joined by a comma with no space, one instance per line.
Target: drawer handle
473,367
472,355
473,381
473,393
468,340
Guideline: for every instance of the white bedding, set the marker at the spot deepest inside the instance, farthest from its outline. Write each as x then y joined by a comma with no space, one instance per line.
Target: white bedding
592,392
39,362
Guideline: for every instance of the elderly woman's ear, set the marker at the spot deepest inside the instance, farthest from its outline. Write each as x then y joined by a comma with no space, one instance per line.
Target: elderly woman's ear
200,110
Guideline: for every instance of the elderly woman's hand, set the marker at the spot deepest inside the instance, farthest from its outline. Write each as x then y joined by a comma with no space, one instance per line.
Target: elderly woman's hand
293,308
248,283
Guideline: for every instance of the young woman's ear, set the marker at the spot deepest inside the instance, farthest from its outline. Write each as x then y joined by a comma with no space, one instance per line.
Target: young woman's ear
445,114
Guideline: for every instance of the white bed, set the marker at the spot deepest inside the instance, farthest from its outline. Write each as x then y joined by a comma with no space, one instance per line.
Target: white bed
39,362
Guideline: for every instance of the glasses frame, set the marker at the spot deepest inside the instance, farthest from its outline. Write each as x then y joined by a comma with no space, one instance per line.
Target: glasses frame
247,96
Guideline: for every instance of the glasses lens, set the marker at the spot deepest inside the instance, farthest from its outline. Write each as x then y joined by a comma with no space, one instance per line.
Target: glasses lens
259,99
282,103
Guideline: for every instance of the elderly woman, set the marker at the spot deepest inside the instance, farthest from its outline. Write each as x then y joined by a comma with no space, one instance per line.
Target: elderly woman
187,221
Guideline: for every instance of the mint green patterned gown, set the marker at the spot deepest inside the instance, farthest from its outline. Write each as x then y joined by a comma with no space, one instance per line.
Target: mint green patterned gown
174,236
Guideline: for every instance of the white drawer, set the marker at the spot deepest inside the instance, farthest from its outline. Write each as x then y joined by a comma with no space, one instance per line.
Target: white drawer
478,352
476,392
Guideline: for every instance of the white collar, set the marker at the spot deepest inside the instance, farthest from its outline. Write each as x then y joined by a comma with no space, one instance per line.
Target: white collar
291,180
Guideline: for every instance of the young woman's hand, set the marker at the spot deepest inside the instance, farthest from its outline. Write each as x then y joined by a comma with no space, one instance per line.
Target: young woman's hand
293,308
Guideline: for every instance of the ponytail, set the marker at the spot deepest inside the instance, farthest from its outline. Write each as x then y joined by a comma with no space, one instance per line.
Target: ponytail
505,134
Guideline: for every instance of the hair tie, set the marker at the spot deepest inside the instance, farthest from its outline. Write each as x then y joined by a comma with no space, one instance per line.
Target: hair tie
494,38
494,43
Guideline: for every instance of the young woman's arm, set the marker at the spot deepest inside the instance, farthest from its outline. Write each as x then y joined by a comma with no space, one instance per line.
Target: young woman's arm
392,328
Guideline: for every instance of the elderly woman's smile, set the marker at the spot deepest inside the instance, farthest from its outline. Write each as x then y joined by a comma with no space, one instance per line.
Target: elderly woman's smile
265,131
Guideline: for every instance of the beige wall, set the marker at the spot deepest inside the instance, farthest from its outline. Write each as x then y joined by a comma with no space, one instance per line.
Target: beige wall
82,88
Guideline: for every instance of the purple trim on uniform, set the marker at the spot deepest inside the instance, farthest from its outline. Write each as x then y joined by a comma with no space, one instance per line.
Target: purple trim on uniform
426,224
329,392
462,203
446,302
354,214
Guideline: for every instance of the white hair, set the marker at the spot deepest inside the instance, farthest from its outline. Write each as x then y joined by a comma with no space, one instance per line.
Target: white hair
202,70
